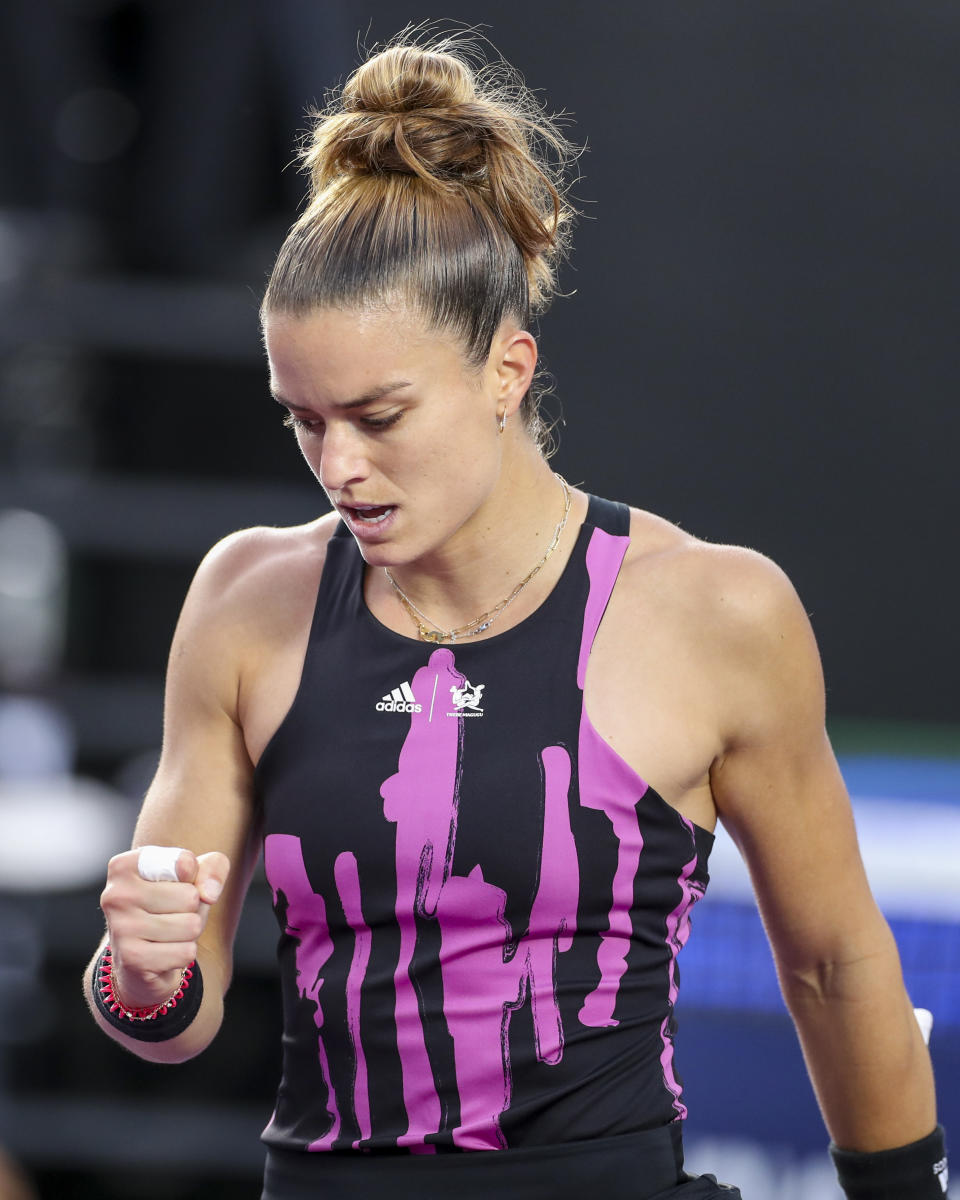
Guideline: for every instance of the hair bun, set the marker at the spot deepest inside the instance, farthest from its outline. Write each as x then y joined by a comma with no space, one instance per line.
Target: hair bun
406,78
410,111
419,131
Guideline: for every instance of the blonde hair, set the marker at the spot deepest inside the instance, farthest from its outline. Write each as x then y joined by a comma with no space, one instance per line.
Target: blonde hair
435,182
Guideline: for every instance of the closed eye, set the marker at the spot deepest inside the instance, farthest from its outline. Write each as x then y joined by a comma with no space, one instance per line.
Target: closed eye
292,422
299,423
382,422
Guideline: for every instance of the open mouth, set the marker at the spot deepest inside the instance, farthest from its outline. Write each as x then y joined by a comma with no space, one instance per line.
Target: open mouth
369,514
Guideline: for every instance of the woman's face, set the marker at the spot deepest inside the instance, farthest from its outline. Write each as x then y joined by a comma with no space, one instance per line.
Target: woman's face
398,428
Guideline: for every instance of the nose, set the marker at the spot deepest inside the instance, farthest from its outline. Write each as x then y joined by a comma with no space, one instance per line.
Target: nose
342,457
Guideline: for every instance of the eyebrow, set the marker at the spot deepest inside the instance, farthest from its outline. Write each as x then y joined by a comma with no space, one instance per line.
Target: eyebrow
369,397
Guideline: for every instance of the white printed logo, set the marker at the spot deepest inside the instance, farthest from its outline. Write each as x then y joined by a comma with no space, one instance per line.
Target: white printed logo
467,697
401,700
940,1170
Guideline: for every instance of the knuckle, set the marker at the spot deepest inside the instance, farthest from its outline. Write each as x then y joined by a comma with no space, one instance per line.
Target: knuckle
121,863
110,903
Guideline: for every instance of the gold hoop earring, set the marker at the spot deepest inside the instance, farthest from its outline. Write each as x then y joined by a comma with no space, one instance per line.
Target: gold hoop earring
503,421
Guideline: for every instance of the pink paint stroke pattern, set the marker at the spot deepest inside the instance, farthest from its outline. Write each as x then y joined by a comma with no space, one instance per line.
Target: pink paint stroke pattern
610,786
347,878
553,915
678,931
605,554
476,984
483,986
422,799
306,922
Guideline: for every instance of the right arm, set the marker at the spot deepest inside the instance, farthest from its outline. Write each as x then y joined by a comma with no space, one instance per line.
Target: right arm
201,799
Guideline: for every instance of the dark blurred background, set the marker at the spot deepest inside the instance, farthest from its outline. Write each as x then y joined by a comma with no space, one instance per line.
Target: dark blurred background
759,343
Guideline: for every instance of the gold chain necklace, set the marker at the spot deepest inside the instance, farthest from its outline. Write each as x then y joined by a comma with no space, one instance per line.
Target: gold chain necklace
428,631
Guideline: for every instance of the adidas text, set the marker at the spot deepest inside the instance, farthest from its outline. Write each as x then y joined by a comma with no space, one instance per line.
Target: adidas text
400,706
400,700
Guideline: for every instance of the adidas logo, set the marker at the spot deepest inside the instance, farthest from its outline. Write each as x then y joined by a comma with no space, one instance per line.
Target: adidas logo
401,700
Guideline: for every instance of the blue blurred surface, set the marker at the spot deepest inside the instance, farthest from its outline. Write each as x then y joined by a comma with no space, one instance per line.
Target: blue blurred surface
899,778
727,964
737,1050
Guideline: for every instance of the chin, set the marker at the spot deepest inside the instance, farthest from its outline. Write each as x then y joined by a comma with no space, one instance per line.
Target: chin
382,555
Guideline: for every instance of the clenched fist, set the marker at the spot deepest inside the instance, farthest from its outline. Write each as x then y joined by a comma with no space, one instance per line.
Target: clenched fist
154,926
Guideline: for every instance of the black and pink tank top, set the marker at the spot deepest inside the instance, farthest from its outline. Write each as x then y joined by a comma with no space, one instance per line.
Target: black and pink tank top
480,903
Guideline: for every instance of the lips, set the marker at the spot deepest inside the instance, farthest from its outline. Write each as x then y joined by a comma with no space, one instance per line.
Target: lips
369,514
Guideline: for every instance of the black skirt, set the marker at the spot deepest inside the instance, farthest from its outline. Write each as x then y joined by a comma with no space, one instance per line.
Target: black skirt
632,1166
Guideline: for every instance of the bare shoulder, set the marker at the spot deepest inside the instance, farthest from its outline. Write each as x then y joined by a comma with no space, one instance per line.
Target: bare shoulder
736,591
247,566
735,613
251,592
255,575
744,580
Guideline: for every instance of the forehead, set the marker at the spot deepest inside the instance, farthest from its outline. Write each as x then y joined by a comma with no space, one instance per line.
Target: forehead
337,356
356,344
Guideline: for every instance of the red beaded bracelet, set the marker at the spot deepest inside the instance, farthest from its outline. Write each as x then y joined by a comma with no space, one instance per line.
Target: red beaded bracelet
113,1002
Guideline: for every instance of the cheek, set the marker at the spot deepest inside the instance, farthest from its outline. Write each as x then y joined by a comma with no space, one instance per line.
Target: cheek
458,476
461,459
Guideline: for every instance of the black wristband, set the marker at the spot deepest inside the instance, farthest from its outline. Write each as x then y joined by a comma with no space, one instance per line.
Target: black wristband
914,1172
167,1021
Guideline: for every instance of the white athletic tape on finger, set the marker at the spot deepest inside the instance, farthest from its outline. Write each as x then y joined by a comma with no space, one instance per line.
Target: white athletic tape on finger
925,1021
158,864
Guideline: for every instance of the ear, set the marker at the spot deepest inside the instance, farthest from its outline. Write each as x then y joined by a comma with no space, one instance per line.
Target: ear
514,359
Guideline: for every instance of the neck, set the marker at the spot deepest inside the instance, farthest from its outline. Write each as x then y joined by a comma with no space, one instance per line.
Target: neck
491,555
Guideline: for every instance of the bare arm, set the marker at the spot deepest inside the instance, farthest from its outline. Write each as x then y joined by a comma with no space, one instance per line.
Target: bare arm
779,792
201,799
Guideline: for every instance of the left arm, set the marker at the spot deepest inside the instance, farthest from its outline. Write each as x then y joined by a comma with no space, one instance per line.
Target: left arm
779,791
